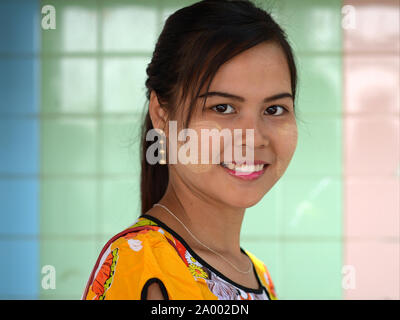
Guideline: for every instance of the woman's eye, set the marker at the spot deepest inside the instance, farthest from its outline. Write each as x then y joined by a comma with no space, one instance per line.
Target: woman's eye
223,108
275,110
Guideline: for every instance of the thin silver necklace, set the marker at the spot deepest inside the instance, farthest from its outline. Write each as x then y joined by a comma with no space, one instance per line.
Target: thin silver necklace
169,211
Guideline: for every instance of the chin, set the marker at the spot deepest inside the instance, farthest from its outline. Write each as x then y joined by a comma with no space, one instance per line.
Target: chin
243,200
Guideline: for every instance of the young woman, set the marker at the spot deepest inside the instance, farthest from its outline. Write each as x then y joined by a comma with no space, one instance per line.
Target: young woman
217,65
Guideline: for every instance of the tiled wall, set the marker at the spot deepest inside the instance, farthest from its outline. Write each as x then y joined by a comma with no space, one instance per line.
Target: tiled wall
297,227
19,148
372,150
71,102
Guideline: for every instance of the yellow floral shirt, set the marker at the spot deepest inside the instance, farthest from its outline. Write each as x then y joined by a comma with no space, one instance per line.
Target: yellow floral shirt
149,251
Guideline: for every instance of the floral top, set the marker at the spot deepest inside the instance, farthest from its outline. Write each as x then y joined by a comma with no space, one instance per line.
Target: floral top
148,252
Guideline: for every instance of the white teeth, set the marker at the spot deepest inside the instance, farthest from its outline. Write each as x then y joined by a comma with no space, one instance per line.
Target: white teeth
231,166
244,168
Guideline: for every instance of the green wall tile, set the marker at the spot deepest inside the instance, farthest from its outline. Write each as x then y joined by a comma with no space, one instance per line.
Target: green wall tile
311,270
313,25
312,207
319,147
129,25
69,85
120,203
262,219
73,261
68,146
124,84
76,27
120,148
320,85
68,207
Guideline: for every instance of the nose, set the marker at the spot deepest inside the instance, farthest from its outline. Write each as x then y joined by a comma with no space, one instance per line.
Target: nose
250,137
252,130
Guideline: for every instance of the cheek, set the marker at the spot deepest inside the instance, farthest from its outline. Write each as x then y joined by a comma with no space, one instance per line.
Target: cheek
205,165
285,141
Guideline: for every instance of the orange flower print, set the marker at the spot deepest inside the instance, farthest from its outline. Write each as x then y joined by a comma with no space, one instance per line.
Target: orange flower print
143,222
197,271
105,275
245,295
195,268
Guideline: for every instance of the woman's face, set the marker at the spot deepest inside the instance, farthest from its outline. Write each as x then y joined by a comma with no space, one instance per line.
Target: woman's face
254,75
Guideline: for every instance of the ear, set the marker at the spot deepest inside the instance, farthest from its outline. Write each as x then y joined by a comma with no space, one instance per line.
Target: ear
158,114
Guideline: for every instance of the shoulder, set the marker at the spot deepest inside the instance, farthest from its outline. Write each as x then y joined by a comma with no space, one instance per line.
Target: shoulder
144,233
133,239
263,274
143,238
130,259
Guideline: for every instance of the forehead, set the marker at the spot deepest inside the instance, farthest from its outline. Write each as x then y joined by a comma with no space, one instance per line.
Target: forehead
256,72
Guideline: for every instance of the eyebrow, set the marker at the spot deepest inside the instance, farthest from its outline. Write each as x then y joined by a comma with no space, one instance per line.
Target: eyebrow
241,99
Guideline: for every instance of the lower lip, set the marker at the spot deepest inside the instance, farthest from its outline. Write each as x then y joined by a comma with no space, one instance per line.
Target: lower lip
243,176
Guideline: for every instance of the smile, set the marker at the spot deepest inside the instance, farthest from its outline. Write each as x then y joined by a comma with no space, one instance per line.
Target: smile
245,171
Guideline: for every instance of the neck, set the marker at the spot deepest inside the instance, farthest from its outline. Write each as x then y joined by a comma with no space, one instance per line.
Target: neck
215,224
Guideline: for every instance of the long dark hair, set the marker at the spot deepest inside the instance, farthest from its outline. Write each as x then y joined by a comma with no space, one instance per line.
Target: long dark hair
194,43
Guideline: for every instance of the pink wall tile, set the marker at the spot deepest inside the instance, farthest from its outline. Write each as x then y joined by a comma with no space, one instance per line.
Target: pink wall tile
376,266
376,25
371,123
372,146
372,84
372,207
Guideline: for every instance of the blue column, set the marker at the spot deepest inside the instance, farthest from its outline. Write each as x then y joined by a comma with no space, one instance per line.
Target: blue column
19,149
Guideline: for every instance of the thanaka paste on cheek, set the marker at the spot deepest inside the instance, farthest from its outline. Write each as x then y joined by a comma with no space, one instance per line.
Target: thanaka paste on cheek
186,146
200,167
287,133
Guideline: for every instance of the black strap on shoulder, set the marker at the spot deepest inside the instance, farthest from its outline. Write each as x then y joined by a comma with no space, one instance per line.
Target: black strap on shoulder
164,292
